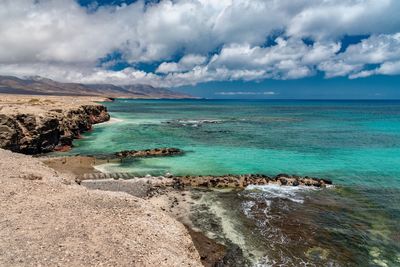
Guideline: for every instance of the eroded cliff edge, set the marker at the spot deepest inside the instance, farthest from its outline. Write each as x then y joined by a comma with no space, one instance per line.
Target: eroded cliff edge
34,125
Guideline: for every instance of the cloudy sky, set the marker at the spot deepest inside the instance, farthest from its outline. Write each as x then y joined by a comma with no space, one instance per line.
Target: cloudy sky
248,47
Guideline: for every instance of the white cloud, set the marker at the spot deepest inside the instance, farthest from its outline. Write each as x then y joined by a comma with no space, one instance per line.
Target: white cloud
383,50
219,40
376,49
186,63
387,68
330,19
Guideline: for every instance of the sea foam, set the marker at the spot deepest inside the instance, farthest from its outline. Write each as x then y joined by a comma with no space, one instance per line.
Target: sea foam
291,193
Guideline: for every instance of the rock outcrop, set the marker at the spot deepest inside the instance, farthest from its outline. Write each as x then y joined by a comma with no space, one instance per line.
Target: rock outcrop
225,181
156,152
44,132
241,181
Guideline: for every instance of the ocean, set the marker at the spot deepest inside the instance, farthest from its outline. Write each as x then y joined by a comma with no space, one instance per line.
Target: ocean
356,144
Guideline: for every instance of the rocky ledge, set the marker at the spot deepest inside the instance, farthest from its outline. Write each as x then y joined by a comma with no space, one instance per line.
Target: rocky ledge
241,181
54,129
225,181
156,152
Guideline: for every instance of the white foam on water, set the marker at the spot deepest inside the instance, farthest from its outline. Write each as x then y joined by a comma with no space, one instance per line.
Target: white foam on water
106,168
133,121
283,192
194,122
145,121
247,206
111,121
114,120
116,167
227,224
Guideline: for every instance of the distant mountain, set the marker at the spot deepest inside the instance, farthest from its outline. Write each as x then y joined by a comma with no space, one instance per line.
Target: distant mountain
43,86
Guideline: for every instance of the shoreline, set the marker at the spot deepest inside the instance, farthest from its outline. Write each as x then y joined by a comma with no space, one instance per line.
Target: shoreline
41,108
171,196
175,199
40,124
47,219
170,244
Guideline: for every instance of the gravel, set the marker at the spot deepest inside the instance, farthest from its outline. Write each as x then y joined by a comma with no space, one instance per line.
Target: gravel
46,219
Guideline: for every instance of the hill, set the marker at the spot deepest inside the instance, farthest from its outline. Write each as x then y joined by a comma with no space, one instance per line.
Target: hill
42,86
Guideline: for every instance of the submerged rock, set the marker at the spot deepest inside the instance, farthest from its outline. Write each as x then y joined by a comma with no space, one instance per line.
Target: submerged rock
167,151
226,181
241,181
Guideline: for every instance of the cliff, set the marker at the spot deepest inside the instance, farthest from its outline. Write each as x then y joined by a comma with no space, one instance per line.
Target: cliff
42,124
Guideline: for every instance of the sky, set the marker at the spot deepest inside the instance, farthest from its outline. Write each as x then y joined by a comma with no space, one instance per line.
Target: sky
217,49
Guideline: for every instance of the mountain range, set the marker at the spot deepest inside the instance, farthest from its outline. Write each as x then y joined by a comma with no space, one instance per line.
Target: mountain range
42,86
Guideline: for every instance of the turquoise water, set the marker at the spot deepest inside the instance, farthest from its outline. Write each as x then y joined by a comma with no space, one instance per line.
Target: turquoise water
354,143
351,142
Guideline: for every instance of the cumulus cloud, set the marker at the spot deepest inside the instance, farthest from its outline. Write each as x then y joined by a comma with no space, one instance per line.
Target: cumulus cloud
194,41
382,50
186,63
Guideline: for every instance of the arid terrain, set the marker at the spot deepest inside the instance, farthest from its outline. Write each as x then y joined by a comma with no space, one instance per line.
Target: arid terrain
32,124
42,86
48,220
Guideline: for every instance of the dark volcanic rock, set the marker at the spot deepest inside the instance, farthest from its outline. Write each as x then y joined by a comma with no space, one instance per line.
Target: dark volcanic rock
241,181
156,152
35,134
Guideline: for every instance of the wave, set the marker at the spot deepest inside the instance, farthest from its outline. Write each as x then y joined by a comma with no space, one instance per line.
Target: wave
194,122
291,193
115,120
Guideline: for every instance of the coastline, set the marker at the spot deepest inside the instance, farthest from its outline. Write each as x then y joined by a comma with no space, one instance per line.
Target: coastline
77,115
47,220
40,124
128,230
160,195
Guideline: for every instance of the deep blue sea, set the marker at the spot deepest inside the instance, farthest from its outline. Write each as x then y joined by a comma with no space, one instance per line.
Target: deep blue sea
354,143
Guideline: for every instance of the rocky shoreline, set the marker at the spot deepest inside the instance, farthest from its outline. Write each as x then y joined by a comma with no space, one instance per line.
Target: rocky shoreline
209,181
31,125
49,220
174,194
38,125
242,181
156,152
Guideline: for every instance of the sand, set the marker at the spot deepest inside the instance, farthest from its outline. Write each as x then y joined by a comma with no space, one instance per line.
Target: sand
77,165
46,219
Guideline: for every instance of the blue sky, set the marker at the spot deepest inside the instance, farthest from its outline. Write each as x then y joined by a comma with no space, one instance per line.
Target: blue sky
217,49
376,87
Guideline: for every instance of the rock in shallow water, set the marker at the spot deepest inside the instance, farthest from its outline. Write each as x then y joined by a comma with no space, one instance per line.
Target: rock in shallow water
241,181
167,151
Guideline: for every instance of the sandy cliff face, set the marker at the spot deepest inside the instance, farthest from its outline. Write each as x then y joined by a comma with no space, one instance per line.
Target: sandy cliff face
33,132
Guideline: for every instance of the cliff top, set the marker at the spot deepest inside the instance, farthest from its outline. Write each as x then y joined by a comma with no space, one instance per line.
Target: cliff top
38,105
